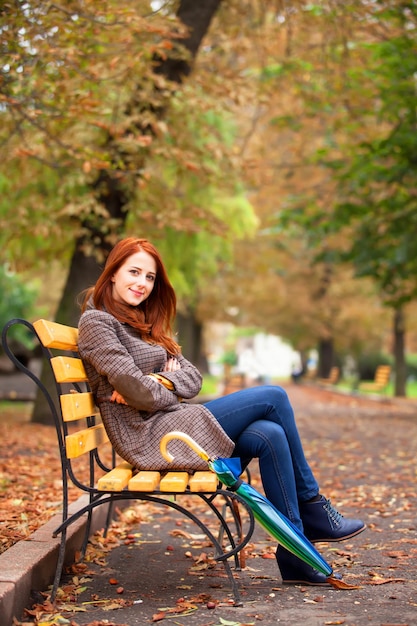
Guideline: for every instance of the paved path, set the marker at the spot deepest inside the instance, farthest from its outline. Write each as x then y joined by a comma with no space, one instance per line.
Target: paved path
363,453
15,385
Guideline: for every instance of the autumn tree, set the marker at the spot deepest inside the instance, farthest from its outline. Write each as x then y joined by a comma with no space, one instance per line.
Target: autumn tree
275,283
95,96
116,119
347,144
377,184
375,208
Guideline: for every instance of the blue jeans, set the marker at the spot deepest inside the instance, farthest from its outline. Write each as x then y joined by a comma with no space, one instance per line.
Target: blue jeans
260,420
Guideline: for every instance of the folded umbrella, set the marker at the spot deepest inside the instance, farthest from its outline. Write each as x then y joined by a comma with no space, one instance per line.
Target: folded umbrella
280,527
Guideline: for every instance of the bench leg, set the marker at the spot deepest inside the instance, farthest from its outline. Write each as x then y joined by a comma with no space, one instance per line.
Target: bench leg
59,565
220,554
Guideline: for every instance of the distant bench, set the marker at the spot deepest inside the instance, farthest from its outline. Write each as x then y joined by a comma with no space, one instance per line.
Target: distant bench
380,382
81,434
332,378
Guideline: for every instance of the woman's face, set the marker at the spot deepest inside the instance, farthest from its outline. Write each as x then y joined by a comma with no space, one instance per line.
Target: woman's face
134,280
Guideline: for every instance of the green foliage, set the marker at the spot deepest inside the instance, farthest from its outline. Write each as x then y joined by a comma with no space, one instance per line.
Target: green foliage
193,205
210,385
377,183
18,300
191,182
92,116
370,150
71,108
411,365
229,358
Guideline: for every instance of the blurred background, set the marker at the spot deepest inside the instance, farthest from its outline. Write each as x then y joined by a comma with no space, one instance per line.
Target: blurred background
268,149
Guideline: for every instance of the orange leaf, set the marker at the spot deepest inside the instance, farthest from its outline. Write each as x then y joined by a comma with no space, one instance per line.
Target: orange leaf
384,581
340,584
191,166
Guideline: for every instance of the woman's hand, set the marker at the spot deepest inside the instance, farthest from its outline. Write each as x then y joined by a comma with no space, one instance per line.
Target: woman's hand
171,365
117,397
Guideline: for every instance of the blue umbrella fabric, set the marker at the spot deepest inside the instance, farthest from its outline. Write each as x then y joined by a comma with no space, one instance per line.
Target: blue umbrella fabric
278,525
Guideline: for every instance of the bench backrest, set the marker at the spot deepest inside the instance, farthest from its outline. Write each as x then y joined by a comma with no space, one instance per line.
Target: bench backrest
380,382
382,375
334,374
85,460
81,435
75,405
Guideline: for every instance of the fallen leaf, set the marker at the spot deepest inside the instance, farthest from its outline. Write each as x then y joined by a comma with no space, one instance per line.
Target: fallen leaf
54,620
384,581
341,584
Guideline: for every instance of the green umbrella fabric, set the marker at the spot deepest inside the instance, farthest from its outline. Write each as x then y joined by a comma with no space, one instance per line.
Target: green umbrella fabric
275,523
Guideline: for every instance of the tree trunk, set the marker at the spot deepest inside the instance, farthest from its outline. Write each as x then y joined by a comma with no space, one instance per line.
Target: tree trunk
399,353
84,269
190,338
197,16
326,357
83,272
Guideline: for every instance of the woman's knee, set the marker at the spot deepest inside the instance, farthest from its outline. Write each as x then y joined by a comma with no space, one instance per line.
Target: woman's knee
275,395
262,436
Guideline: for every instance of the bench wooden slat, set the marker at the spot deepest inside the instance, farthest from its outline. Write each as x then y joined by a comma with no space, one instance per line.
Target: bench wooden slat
68,369
54,335
117,479
75,406
85,440
145,480
174,481
203,481
382,375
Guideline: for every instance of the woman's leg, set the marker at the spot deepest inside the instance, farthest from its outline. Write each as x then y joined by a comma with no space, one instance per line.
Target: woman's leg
239,410
254,419
267,441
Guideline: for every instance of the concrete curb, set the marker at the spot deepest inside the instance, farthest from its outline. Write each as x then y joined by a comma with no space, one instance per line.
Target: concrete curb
30,564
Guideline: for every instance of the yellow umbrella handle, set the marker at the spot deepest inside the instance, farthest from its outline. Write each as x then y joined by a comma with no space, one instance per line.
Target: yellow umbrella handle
176,434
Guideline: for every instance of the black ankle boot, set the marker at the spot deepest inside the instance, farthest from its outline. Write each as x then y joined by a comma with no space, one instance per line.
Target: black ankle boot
295,572
322,522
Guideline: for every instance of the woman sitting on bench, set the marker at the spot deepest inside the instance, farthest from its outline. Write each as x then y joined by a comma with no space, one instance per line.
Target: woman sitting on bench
139,379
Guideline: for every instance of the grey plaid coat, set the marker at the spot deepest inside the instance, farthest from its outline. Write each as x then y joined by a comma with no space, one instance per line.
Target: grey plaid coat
115,357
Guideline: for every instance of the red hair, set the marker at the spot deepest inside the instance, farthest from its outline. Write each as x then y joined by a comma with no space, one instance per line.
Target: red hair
154,317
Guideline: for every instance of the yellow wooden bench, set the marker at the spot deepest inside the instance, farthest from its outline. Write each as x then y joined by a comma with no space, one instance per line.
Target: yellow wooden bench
109,478
333,377
380,382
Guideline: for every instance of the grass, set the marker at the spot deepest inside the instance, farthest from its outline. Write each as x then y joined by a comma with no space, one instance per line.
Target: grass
351,385
210,385
15,411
